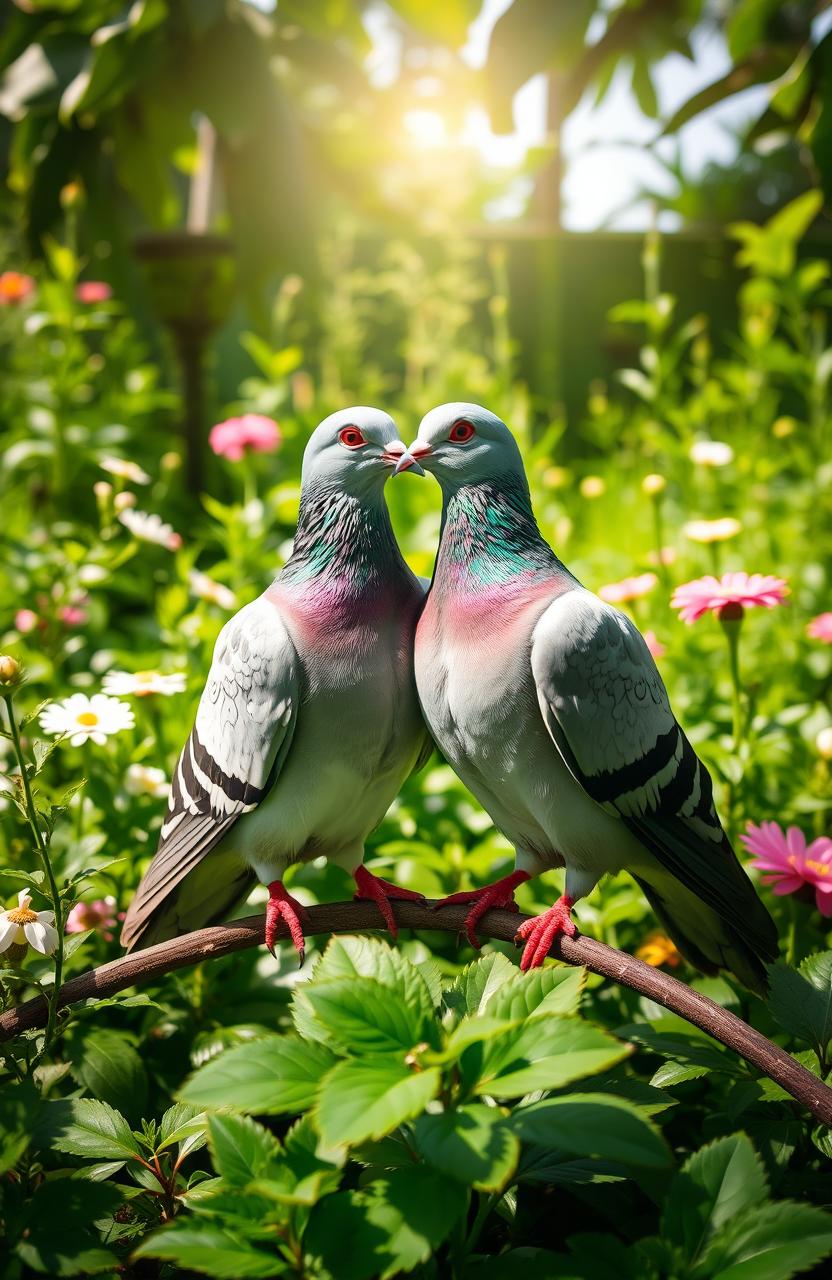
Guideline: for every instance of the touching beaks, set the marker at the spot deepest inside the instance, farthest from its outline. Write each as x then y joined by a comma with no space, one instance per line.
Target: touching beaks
397,453
420,449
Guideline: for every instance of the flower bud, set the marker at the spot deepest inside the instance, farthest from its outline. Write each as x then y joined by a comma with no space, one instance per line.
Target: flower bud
823,742
124,500
72,196
11,673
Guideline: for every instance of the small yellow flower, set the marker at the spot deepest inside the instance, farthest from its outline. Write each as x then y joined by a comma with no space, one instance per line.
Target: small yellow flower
653,485
555,477
783,427
657,949
592,487
22,927
823,742
712,530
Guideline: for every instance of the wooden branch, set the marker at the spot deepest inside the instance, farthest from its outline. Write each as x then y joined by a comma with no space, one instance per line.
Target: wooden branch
338,917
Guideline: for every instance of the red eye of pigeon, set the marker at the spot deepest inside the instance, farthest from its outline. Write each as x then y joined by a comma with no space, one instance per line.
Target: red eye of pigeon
351,437
461,431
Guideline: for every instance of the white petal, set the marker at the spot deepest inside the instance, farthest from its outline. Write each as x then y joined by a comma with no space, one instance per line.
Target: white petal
23,898
46,917
7,931
41,936
78,739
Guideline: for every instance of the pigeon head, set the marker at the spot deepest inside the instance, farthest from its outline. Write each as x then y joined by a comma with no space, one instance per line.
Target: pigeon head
466,444
355,450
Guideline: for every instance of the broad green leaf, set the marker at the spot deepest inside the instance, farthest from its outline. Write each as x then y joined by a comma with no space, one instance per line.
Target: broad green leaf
593,1124
546,1053
20,1105
268,1076
768,1242
550,989
106,1064
242,1149
360,1015
714,1184
473,988
388,1228
185,1125
59,1237
368,1097
473,1144
801,1000
359,957
199,1246
476,1028
528,1261
86,1127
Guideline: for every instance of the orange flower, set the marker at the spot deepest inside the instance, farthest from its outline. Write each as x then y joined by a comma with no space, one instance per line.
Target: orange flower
657,949
15,287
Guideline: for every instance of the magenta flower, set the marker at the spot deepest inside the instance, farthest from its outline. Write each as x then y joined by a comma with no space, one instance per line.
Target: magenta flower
820,628
792,864
740,590
72,615
91,291
231,439
628,588
100,915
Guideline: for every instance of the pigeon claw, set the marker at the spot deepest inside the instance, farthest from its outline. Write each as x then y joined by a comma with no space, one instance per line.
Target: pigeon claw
374,889
282,910
540,932
498,894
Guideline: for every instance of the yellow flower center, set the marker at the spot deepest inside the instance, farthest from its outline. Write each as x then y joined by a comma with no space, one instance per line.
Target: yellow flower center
145,677
22,915
87,718
819,868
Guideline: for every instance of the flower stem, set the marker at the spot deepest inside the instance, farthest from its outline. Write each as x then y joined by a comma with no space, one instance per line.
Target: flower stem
40,845
731,627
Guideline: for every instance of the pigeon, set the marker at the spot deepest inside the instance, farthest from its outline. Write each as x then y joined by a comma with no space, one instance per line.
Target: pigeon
309,720
547,703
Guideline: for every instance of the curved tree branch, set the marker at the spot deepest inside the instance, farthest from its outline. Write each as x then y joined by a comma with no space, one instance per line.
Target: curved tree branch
338,917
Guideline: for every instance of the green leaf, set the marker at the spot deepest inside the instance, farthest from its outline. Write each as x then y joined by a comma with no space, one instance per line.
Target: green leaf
185,1125
85,1127
360,1015
474,987
199,1246
768,1242
550,989
593,1124
268,1076
546,1053
368,1097
359,957
59,1236
714,1184
801,1000
473,1144
242,1149
20,1105
392,1226
106,1064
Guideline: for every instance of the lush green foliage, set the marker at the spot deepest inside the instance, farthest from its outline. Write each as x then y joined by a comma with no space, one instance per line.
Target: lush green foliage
413,1115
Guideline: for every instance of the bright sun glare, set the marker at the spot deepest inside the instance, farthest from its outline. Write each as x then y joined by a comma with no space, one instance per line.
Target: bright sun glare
427,128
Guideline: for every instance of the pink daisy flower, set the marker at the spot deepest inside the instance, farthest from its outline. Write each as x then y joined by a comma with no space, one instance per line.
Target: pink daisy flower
820,628
91,291
740,590
628,588
791,864
231,439
100,915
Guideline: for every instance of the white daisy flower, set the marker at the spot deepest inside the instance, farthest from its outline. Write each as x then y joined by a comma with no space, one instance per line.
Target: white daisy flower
125,470
22,925
87,719
712,530
141,683
150,528
205,588
145,780
711,453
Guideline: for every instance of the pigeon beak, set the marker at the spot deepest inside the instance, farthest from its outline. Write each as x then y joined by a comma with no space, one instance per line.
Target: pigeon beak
420,449
396,453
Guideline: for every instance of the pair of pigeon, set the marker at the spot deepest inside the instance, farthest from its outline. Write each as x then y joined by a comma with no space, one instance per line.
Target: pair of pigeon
544,700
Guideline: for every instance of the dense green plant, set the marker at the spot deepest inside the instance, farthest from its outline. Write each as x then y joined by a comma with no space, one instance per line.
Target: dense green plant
107,1133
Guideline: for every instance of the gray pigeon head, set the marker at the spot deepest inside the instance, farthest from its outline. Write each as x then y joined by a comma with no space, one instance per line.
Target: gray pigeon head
464,443
355,450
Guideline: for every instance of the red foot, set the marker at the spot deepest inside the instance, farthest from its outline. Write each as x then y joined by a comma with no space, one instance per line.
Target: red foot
282,907
381,891
540,932
498,894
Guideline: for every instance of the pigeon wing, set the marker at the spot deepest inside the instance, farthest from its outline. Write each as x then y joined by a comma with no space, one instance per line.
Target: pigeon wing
242,733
